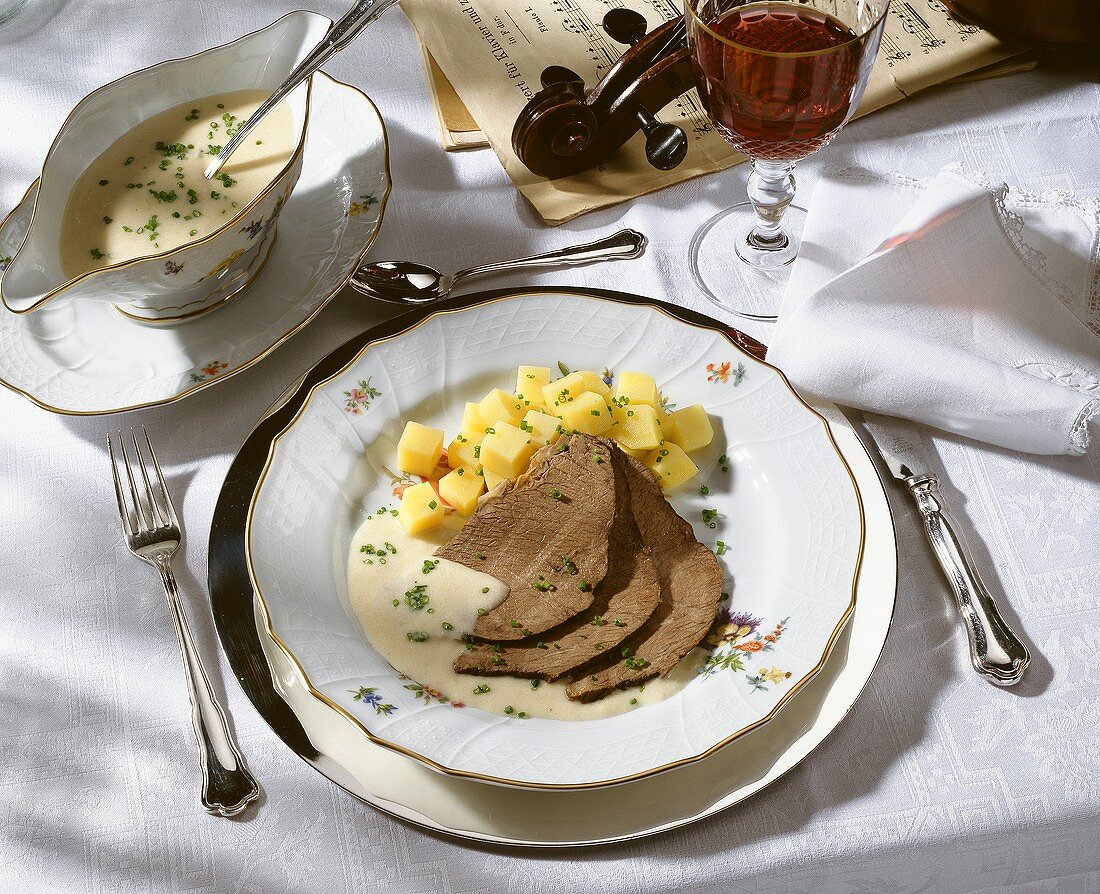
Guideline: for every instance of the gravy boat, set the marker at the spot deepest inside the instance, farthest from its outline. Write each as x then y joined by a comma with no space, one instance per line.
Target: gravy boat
199,275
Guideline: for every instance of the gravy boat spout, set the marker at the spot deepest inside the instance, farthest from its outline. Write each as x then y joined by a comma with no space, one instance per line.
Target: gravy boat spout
173,284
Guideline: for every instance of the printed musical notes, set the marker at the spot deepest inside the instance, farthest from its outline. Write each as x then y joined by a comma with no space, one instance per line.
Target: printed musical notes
691,110
964,30
913,23
599,51
891,50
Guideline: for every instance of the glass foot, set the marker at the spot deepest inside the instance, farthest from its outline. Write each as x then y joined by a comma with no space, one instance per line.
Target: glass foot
738,273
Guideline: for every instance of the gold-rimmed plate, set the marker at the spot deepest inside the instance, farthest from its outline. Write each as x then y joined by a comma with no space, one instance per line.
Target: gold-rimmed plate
493,815
789,514
86,358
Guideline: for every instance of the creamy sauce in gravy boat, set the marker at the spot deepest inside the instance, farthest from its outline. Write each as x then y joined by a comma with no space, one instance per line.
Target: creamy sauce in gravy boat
166,284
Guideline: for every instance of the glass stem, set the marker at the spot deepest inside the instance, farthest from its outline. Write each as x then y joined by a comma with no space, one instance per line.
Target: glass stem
771,191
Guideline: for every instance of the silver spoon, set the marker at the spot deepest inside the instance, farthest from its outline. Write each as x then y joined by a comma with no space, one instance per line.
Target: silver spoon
406,282
339,36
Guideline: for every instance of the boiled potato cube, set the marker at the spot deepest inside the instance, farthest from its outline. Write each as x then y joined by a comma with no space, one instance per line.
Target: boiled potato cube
473,436
507,450
558,394
473,426
471,419
637,454
636,388
498,404
693,428
463,453
591,381
587,413
637,426
555,394
419,449
461,488
421,509
543,429
668,426
492,479
671,465
565,390
529,383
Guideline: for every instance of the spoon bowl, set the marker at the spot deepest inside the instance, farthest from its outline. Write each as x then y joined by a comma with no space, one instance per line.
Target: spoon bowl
401,281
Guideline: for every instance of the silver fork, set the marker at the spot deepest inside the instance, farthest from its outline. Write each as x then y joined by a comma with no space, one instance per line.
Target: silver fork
153,534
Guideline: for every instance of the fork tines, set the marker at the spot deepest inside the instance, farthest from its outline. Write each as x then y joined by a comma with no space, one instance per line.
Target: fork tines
141,515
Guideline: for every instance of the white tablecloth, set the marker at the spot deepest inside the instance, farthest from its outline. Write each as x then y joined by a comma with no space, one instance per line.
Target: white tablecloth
936,782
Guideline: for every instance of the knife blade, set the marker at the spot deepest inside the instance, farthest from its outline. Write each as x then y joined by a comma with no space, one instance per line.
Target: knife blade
995,651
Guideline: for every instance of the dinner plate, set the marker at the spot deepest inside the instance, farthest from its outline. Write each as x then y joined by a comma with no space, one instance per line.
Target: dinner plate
336,747
86,358
775,499
529,818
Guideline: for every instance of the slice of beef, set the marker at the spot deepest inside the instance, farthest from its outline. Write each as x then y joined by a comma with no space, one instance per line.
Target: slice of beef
555,517
625,600
691,590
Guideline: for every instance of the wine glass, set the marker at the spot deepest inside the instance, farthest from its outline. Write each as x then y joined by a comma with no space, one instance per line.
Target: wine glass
778,78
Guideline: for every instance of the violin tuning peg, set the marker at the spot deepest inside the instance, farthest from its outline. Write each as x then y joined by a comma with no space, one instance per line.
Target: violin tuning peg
625,26
560,75
666,145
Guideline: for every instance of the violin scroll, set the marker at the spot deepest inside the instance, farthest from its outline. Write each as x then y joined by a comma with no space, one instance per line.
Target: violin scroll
556,126
563,130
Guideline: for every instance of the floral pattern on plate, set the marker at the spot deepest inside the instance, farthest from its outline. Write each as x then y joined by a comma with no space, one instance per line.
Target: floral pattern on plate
360,396
368,695
733,648
209,371
355,209
721,373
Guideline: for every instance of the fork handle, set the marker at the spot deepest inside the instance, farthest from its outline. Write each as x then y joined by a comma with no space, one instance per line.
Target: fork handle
227,786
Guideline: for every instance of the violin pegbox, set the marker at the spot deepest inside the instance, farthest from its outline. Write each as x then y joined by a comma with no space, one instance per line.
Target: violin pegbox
564,130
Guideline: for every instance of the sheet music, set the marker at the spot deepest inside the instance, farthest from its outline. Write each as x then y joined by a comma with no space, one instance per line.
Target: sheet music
493,51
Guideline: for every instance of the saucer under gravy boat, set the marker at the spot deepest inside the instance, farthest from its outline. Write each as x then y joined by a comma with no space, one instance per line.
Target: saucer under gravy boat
198,275
83,358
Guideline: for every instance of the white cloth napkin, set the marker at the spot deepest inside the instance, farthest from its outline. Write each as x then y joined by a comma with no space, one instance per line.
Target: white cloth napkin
924,301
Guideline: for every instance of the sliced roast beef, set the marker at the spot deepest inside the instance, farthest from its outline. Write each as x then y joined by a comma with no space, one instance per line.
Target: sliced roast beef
625,600
691,589
531,535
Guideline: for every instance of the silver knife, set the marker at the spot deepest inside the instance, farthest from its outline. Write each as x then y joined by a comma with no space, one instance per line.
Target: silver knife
995,651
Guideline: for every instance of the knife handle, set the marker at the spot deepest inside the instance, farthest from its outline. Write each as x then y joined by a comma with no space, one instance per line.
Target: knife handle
995,651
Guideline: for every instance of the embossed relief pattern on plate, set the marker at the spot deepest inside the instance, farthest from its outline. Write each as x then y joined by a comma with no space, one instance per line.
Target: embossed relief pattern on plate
572,322
831,544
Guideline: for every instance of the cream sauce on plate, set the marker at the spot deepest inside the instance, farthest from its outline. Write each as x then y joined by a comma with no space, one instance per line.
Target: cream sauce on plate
147,194
405,599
